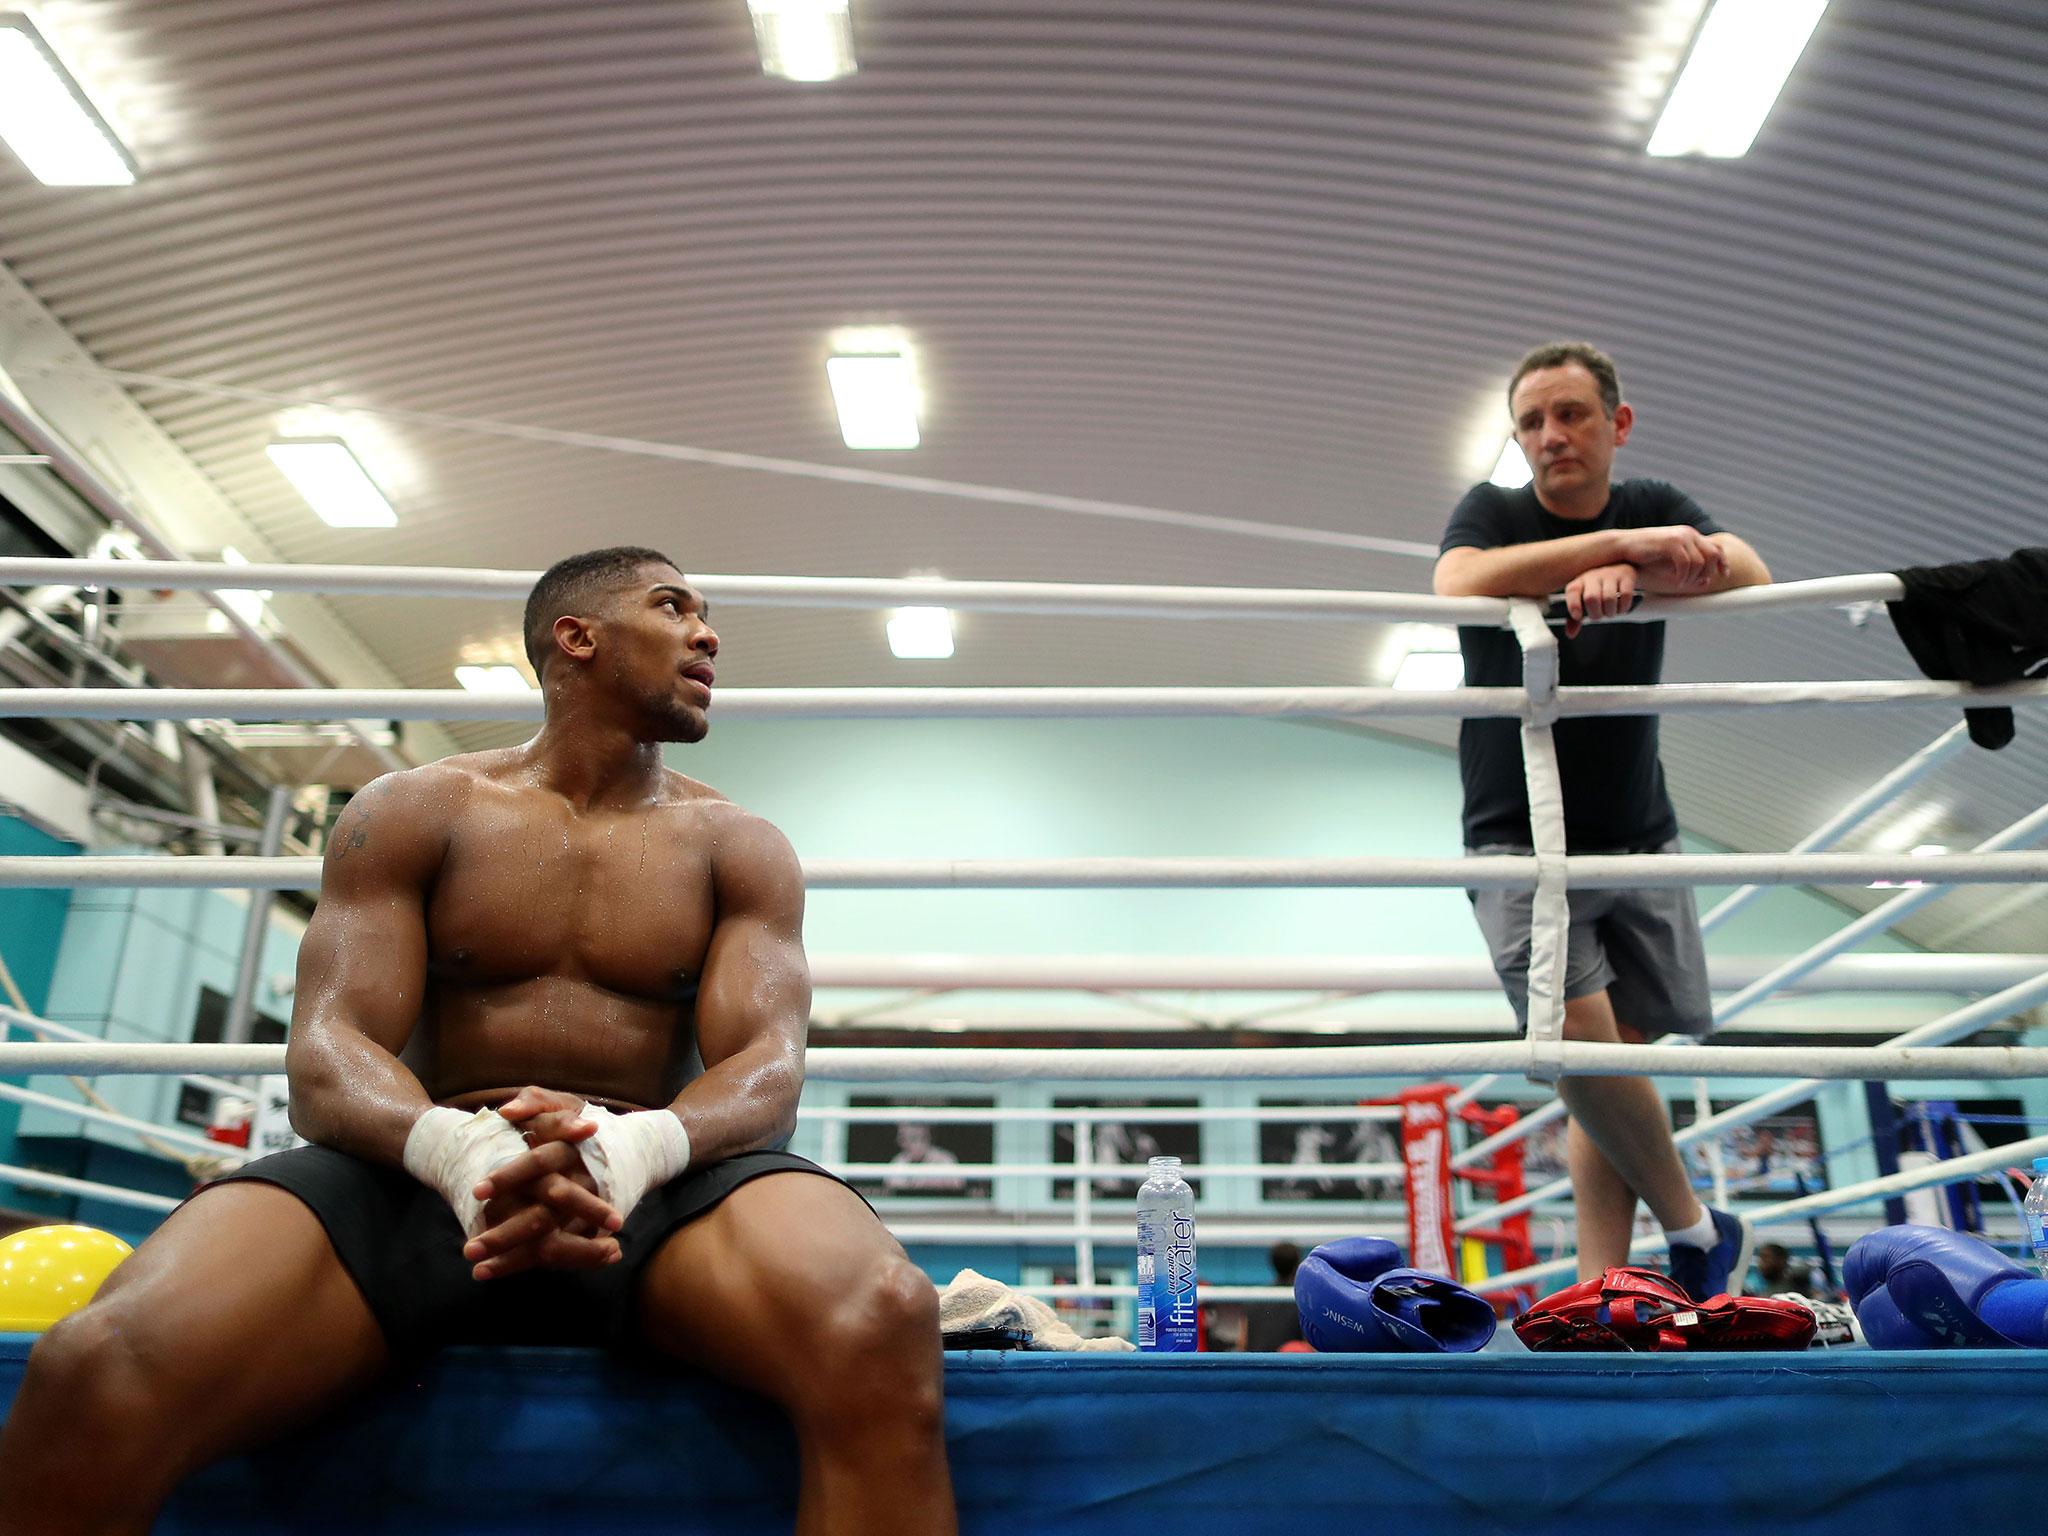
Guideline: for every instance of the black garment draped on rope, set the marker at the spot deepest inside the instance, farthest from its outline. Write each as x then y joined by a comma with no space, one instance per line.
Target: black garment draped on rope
1978,621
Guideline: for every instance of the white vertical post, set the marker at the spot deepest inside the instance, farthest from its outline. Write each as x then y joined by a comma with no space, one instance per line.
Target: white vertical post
1084,1180
1550,909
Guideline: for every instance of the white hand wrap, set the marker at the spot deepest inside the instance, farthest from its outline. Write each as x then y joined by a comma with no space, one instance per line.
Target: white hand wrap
451,1151
631,1154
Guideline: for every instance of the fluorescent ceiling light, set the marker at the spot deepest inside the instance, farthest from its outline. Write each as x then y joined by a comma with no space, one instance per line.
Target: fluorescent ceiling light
247,604
1911,826
1430,670
1920,852
46,119
1511,469
334,483
808,40
921,634
496,678
1739,62
1432,660
876,395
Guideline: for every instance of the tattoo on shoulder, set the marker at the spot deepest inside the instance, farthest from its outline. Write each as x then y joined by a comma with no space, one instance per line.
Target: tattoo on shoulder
354,838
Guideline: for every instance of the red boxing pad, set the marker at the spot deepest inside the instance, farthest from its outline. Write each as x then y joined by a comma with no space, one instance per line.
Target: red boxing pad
1639,1309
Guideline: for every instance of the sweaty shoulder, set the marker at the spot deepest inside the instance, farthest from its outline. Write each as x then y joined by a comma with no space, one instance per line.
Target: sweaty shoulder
749,851
1658,504
736,834
401,819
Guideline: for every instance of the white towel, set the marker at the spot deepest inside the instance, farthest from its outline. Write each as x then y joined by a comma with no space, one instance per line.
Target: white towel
974,1301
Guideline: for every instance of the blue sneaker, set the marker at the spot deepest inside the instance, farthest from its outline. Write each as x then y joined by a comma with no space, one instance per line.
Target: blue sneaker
1705,1272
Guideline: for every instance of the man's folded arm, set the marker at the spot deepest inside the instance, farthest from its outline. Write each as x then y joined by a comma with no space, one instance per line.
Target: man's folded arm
361,976
1535,569
753,999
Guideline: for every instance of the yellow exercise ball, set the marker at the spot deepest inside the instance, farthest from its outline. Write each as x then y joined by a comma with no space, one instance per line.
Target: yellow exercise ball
48,1273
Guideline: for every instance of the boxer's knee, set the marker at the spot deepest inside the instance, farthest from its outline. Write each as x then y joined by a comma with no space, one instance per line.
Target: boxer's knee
877,1358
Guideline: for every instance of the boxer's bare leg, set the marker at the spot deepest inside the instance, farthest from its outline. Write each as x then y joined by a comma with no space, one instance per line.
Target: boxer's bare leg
790,1287
234,1322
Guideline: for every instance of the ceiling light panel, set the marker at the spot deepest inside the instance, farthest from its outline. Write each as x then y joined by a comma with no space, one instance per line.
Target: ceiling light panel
921,634
1432,658
333,481
1511,469
496,678
1430,670
876,397
47,120
249,606
1739,62
804,40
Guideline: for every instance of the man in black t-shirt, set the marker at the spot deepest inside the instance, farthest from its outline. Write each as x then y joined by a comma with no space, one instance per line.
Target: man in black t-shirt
1634,967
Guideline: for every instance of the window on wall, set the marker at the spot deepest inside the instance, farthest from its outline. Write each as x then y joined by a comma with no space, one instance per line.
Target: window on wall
195,1104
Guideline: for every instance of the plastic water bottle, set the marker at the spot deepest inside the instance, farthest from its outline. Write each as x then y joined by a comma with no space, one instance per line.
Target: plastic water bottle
1166,1259
2036,1208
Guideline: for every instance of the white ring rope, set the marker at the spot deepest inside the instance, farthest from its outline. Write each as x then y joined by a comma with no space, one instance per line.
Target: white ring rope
456,705
1133,1173
61,1184
1122,600
2027,830
1959,1025
1906,972
147,1130
2015,1154
55,1031
1596,872
866,1064
1873,799
1050,598
1542,1055
937,1114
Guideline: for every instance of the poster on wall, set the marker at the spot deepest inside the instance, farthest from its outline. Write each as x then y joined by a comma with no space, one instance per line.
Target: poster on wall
1768,1157
1125,1141
1777,1155
1317,1153
924,1149
1543,1155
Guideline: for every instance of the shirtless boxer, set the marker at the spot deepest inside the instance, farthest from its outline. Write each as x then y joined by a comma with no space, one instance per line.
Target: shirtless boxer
570,914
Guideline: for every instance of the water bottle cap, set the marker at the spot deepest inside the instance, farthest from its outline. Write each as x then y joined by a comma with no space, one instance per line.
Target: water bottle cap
2041,1165
1174,1162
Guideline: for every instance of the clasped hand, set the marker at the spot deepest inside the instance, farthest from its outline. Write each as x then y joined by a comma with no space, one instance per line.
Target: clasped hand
1672,560
542,1209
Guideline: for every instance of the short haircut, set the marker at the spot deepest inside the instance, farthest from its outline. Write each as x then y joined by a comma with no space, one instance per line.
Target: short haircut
571,586
1285,1259
1560,354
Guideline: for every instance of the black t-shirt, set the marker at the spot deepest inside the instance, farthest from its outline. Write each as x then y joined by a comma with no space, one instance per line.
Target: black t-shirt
1614,797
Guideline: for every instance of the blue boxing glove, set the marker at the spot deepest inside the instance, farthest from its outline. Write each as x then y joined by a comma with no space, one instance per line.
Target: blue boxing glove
1930,1288
1355,1299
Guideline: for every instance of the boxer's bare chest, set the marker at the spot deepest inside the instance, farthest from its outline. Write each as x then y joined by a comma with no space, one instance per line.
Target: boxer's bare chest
531,889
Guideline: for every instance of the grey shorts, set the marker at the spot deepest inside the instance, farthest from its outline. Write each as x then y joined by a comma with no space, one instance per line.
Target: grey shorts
1642,947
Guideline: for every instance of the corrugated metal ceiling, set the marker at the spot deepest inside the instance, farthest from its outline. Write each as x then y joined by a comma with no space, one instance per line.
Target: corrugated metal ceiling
1257,258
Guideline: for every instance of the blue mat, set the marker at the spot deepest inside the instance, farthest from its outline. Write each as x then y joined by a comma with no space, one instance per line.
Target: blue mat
1854,1442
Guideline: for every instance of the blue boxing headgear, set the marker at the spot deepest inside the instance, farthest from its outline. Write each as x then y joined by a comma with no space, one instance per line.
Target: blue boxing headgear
1355,1299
